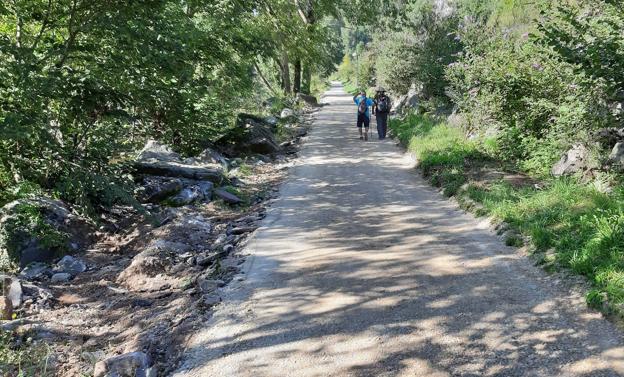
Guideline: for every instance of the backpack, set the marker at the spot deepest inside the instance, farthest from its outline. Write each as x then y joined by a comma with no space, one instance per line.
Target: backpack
363,106
382,105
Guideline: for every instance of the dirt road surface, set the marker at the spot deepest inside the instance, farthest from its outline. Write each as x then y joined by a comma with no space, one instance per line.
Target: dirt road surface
361,269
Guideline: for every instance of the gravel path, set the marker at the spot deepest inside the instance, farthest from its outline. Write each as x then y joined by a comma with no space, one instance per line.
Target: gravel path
361,269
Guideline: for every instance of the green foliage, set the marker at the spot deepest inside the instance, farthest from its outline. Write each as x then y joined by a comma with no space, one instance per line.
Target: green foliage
25,223
583,227
590,38
441,150
536,105
19,356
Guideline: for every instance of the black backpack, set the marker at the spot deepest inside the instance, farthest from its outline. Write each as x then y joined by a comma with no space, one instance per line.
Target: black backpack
382,105
362,107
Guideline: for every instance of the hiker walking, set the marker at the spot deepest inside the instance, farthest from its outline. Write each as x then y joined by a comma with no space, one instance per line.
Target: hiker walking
363,115
381,109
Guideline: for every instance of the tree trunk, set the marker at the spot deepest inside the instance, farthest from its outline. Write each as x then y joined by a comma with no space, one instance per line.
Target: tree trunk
307,79
297,78
285,67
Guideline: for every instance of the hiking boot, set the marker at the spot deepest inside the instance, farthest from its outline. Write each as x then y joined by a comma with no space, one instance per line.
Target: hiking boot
361,137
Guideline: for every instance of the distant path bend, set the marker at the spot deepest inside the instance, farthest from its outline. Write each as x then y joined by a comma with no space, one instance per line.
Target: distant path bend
361,269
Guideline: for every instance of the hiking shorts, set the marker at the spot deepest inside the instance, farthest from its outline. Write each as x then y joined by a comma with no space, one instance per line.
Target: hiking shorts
363,120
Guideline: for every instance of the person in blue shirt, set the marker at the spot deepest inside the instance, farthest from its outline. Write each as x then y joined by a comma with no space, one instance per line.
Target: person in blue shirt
363,115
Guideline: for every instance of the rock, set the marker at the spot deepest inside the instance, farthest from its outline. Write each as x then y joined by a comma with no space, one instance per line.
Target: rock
156,189
206,189
206,259
180,170
134,364
617,154
251,135
187,196
71,265
170,247
244,229
60,277
34,271
227,197
307,99
208,157
208,285
154,150
227,249
18,245
576,160
93,357
287,113
608,137
6,308
271,120
211,299
13,292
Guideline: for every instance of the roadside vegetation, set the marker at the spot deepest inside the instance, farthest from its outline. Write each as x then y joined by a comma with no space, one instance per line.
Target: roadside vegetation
499,92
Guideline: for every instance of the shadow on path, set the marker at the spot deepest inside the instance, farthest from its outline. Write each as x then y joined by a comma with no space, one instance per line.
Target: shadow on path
361,269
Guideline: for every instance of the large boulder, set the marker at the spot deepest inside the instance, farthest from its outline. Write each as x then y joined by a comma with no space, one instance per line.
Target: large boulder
39,230
156,189
252,135
157,159
617,155
576,160
308,99
154,150
209,157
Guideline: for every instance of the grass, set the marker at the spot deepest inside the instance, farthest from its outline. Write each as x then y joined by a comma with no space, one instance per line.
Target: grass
20,356
572,225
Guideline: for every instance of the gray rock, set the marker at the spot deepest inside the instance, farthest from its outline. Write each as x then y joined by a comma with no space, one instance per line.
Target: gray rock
227,197
206,189
19,245
617,154
34,252
187,196
576,160
287,113
208,285
134,364
211,299
228,249
34,271
60,277
13,290
156,189
71,265
180,170
171,247
208,157
243,229
206,259
308,100
271,120
154,150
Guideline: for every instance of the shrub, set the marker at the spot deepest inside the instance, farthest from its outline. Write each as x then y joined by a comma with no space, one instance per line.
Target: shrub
536,105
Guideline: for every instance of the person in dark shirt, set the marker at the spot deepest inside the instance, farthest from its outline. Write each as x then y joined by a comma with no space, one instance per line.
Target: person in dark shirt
381,110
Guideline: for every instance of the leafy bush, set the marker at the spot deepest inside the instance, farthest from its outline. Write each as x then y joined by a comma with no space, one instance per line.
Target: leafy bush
536,105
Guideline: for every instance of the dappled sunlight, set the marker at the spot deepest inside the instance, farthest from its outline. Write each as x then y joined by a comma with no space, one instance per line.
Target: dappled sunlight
361,269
